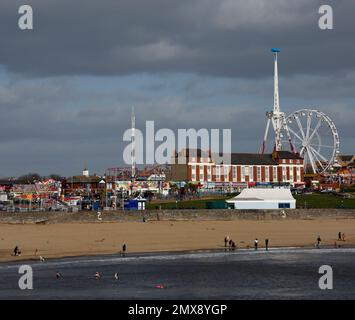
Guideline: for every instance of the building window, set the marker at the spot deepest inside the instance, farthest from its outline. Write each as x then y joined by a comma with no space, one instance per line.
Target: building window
284,205
291,174
267,174
259,173
234,171
226,173
251,173
284,177
218,173
283,160
209,173
201,174
275,174
298,172
193,172
243,173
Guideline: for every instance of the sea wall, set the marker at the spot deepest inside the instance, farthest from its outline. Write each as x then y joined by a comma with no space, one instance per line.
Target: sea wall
178,214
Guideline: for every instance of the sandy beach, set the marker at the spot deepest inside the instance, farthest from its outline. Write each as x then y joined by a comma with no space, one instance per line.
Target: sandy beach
77,239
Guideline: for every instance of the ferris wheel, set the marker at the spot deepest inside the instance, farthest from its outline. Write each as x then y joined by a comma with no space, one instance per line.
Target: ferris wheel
315,137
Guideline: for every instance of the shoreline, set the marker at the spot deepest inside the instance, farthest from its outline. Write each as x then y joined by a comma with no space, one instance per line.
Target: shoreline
180,253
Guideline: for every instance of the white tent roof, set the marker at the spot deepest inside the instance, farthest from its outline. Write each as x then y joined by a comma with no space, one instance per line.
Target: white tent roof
263,194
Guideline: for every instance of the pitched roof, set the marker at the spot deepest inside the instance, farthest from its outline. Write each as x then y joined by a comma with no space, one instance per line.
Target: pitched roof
346,157
5,182
263,194
252,159
244,158
83,179
287,155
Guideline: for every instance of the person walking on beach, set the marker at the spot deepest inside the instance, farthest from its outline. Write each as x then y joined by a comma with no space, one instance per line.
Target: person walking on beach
266,244
256,241
339,236
343,237
17,251
319,240
124,248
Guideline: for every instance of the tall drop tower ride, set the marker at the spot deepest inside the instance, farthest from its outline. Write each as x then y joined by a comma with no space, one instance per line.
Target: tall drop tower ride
276,117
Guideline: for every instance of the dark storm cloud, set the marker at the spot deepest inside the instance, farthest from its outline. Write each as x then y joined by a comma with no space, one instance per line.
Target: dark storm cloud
66,94
225,38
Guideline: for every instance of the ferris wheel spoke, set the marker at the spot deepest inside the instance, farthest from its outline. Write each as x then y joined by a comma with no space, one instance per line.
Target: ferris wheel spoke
309,122
316,158
296,135
311,160
318,153
315,129
300,126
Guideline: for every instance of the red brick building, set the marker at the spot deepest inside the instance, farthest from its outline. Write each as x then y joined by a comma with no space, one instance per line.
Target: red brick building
244,169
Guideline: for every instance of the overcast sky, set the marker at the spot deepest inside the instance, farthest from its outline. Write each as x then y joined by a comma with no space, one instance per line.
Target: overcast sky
67,87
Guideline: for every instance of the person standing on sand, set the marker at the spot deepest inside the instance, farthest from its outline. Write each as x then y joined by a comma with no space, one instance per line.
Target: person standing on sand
256,241
226,239
319,240
124,248
266,244
343,237
339,236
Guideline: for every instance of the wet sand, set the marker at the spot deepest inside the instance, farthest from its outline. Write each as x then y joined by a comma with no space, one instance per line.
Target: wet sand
78,239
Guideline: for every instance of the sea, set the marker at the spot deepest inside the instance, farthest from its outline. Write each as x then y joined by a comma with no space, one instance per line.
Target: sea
283,273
